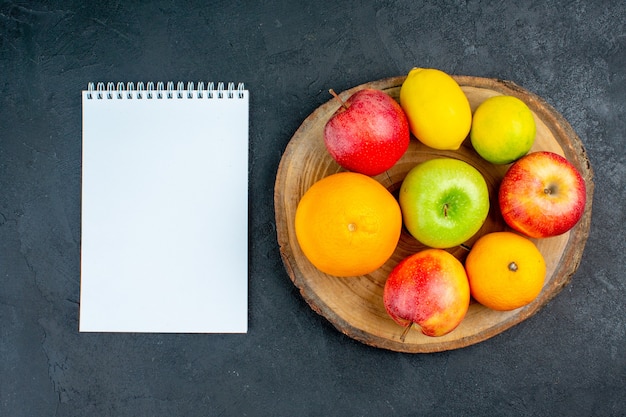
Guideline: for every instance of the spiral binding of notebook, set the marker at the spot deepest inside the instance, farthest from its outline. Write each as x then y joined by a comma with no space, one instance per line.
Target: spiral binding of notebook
162,90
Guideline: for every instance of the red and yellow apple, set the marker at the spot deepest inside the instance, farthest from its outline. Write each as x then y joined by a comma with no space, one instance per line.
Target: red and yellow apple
542,195
429,289
368,133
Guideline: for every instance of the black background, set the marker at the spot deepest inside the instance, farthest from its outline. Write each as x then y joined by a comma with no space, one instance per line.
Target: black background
569,359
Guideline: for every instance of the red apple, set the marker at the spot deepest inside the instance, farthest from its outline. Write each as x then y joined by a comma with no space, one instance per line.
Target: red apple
368,133
430,289
542,195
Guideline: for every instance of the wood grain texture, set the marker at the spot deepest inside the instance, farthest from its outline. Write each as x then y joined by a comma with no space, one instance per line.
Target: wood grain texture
354,305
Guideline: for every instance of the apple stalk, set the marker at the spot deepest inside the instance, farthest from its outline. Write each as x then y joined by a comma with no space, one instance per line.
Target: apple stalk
343,104
406,331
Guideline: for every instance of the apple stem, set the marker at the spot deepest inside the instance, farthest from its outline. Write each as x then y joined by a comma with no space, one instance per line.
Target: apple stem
405,332
551,189
331,91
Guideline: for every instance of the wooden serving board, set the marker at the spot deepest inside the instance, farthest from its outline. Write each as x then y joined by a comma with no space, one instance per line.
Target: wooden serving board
354,305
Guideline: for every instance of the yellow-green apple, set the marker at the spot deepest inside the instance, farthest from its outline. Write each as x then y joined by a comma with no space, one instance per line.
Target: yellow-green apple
542,194
368,133
444,202
429,289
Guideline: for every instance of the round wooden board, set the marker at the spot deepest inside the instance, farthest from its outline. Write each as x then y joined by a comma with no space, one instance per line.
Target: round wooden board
354,305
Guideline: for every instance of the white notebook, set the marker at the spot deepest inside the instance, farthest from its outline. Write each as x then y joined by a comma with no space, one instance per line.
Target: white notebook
164,226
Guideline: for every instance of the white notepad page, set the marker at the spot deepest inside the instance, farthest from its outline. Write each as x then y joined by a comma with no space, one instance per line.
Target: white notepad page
164,240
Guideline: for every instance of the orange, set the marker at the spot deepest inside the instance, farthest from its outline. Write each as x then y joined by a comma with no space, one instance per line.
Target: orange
505,271
348,224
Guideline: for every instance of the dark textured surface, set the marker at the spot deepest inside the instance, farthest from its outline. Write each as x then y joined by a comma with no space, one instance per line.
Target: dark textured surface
569,359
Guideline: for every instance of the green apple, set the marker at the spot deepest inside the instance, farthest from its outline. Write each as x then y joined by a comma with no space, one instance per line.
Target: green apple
444,202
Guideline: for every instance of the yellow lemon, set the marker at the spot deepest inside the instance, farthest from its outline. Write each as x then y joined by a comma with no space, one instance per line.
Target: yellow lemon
503,129
438,111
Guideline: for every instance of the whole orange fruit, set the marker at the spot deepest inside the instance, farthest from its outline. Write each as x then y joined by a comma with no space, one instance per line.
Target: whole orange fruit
348,224
505,271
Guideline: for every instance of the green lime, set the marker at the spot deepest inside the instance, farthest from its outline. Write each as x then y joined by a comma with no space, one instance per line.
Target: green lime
503,129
